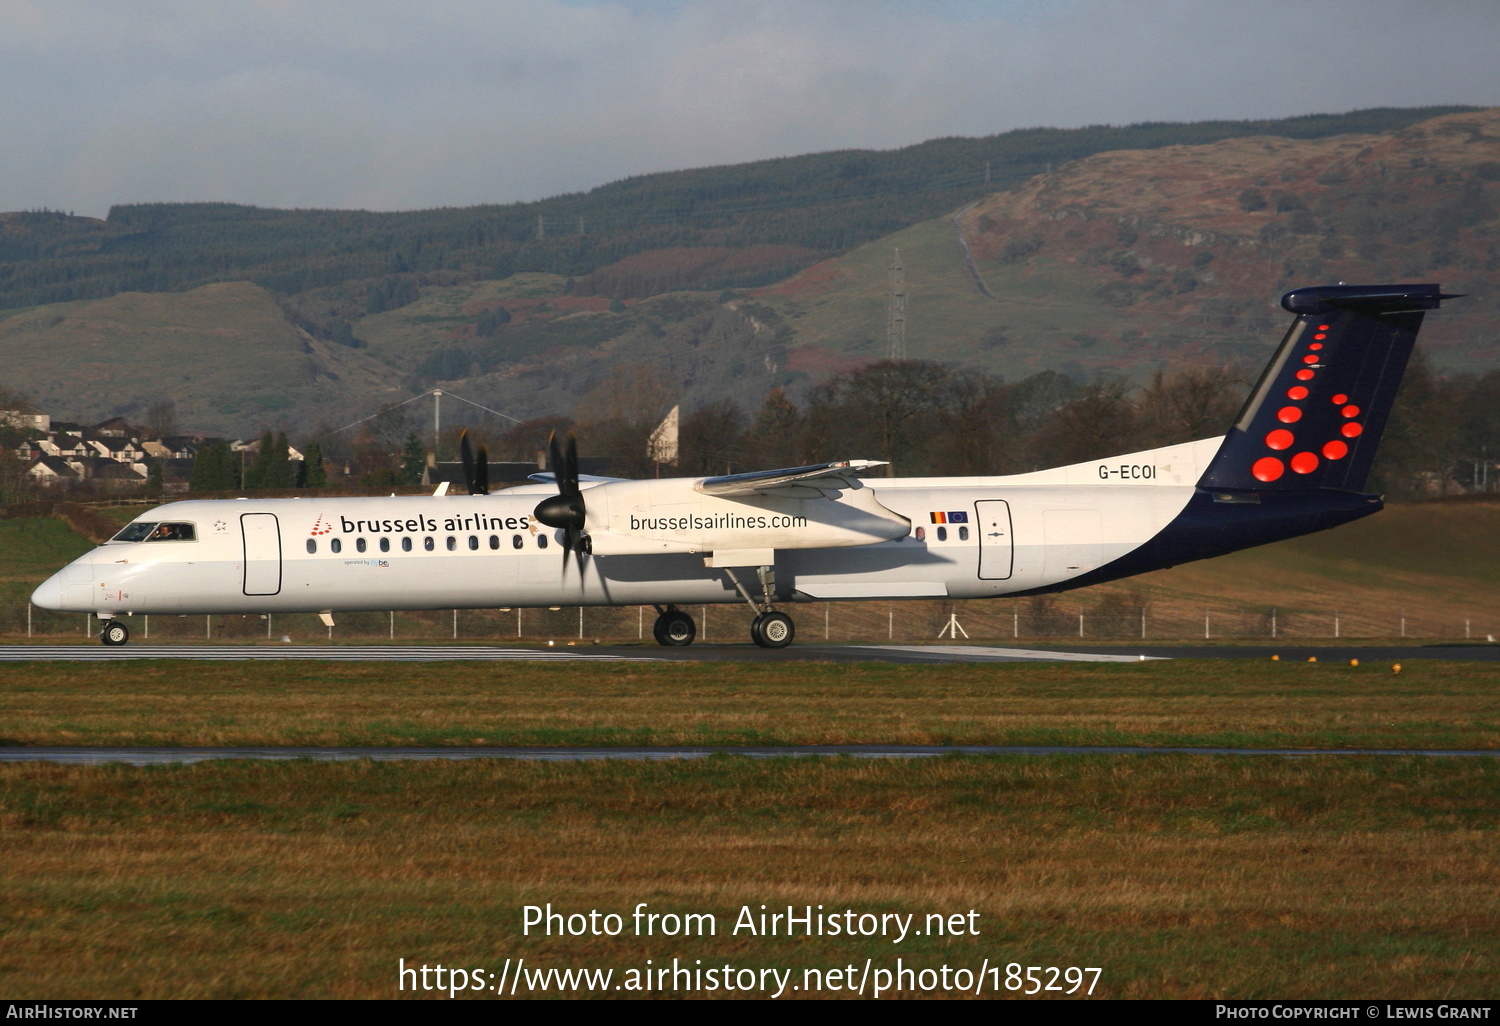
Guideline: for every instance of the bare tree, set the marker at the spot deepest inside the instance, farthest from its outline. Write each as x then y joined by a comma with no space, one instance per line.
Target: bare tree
161,418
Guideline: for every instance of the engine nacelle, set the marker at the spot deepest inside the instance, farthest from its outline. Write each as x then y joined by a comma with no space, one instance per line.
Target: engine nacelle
648,517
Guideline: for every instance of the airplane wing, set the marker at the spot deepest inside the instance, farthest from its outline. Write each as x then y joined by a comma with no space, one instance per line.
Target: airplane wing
548,477
839,474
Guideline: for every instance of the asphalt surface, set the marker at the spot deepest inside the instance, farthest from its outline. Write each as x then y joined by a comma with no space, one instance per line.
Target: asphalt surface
800,652
176,756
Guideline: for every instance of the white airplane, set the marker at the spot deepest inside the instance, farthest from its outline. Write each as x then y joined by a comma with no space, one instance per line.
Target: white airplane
1294,461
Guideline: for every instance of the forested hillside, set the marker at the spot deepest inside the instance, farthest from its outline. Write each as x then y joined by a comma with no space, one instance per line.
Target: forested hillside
801,207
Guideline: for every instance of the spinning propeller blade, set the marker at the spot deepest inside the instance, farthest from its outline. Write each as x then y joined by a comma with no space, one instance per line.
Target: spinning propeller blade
476,471
565,510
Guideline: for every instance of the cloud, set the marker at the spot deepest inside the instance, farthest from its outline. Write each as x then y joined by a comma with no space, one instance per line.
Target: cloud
388,105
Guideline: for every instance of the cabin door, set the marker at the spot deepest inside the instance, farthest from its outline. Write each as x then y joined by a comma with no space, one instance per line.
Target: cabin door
996,549
262,553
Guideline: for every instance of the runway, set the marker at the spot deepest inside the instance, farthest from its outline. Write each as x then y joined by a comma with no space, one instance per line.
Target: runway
801,652
328,653
622,653
187,756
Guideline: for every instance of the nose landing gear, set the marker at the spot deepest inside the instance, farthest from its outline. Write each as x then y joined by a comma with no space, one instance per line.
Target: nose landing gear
114,633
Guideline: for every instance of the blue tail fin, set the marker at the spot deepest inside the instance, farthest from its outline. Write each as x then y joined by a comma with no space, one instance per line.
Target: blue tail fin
1315,417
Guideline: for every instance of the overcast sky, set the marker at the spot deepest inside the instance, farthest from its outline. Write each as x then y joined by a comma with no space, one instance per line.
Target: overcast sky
395,104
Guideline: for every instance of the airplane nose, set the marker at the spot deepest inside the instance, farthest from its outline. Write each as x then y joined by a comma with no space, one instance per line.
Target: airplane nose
49,595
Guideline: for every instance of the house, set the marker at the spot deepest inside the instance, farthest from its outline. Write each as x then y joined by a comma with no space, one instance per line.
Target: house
25,417
50,471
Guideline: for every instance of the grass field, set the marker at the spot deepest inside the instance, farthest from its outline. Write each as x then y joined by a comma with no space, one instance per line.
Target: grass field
1178,876
1200,703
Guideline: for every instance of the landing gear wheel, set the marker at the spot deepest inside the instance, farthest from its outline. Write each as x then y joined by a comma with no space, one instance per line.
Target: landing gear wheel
772,630
114,633
674,629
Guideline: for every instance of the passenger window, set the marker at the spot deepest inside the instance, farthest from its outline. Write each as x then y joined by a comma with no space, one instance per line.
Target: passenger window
921,534
473,542
405,544
516,541
312,545
385,545
942,533
359,544
963,534
541,541
452,543
494,541
336,545
427,543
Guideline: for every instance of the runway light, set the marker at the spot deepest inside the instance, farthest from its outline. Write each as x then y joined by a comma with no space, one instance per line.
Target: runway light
1312,659
1276,659
551,643
1354,662
1395,667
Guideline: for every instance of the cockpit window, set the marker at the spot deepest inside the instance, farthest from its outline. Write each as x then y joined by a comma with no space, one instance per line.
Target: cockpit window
173,532
135,532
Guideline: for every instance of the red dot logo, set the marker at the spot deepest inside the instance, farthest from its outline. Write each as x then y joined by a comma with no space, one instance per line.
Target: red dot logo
1316,345
1304,463
1281,438
1267,468
1304,375
1322,327
1335,450
1320,336
1310,358
1289,414
1296,392
1340,399
1351,430
1350,411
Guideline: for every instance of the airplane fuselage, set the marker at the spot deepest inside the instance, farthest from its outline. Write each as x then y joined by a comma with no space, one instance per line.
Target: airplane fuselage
967,538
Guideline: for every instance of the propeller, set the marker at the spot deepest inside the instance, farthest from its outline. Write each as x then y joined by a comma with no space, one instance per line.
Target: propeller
476,471
564,511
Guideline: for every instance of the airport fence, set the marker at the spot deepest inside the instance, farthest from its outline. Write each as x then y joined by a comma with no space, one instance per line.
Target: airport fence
990,622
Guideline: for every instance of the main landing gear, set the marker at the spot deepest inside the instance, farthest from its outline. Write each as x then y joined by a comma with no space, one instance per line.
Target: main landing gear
769,629
673,628
114,633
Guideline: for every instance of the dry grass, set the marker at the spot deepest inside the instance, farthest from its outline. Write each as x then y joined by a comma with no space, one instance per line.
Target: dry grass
1182,876
1430,704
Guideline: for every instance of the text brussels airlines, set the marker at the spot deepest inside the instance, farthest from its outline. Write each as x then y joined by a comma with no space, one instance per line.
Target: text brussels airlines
472,522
